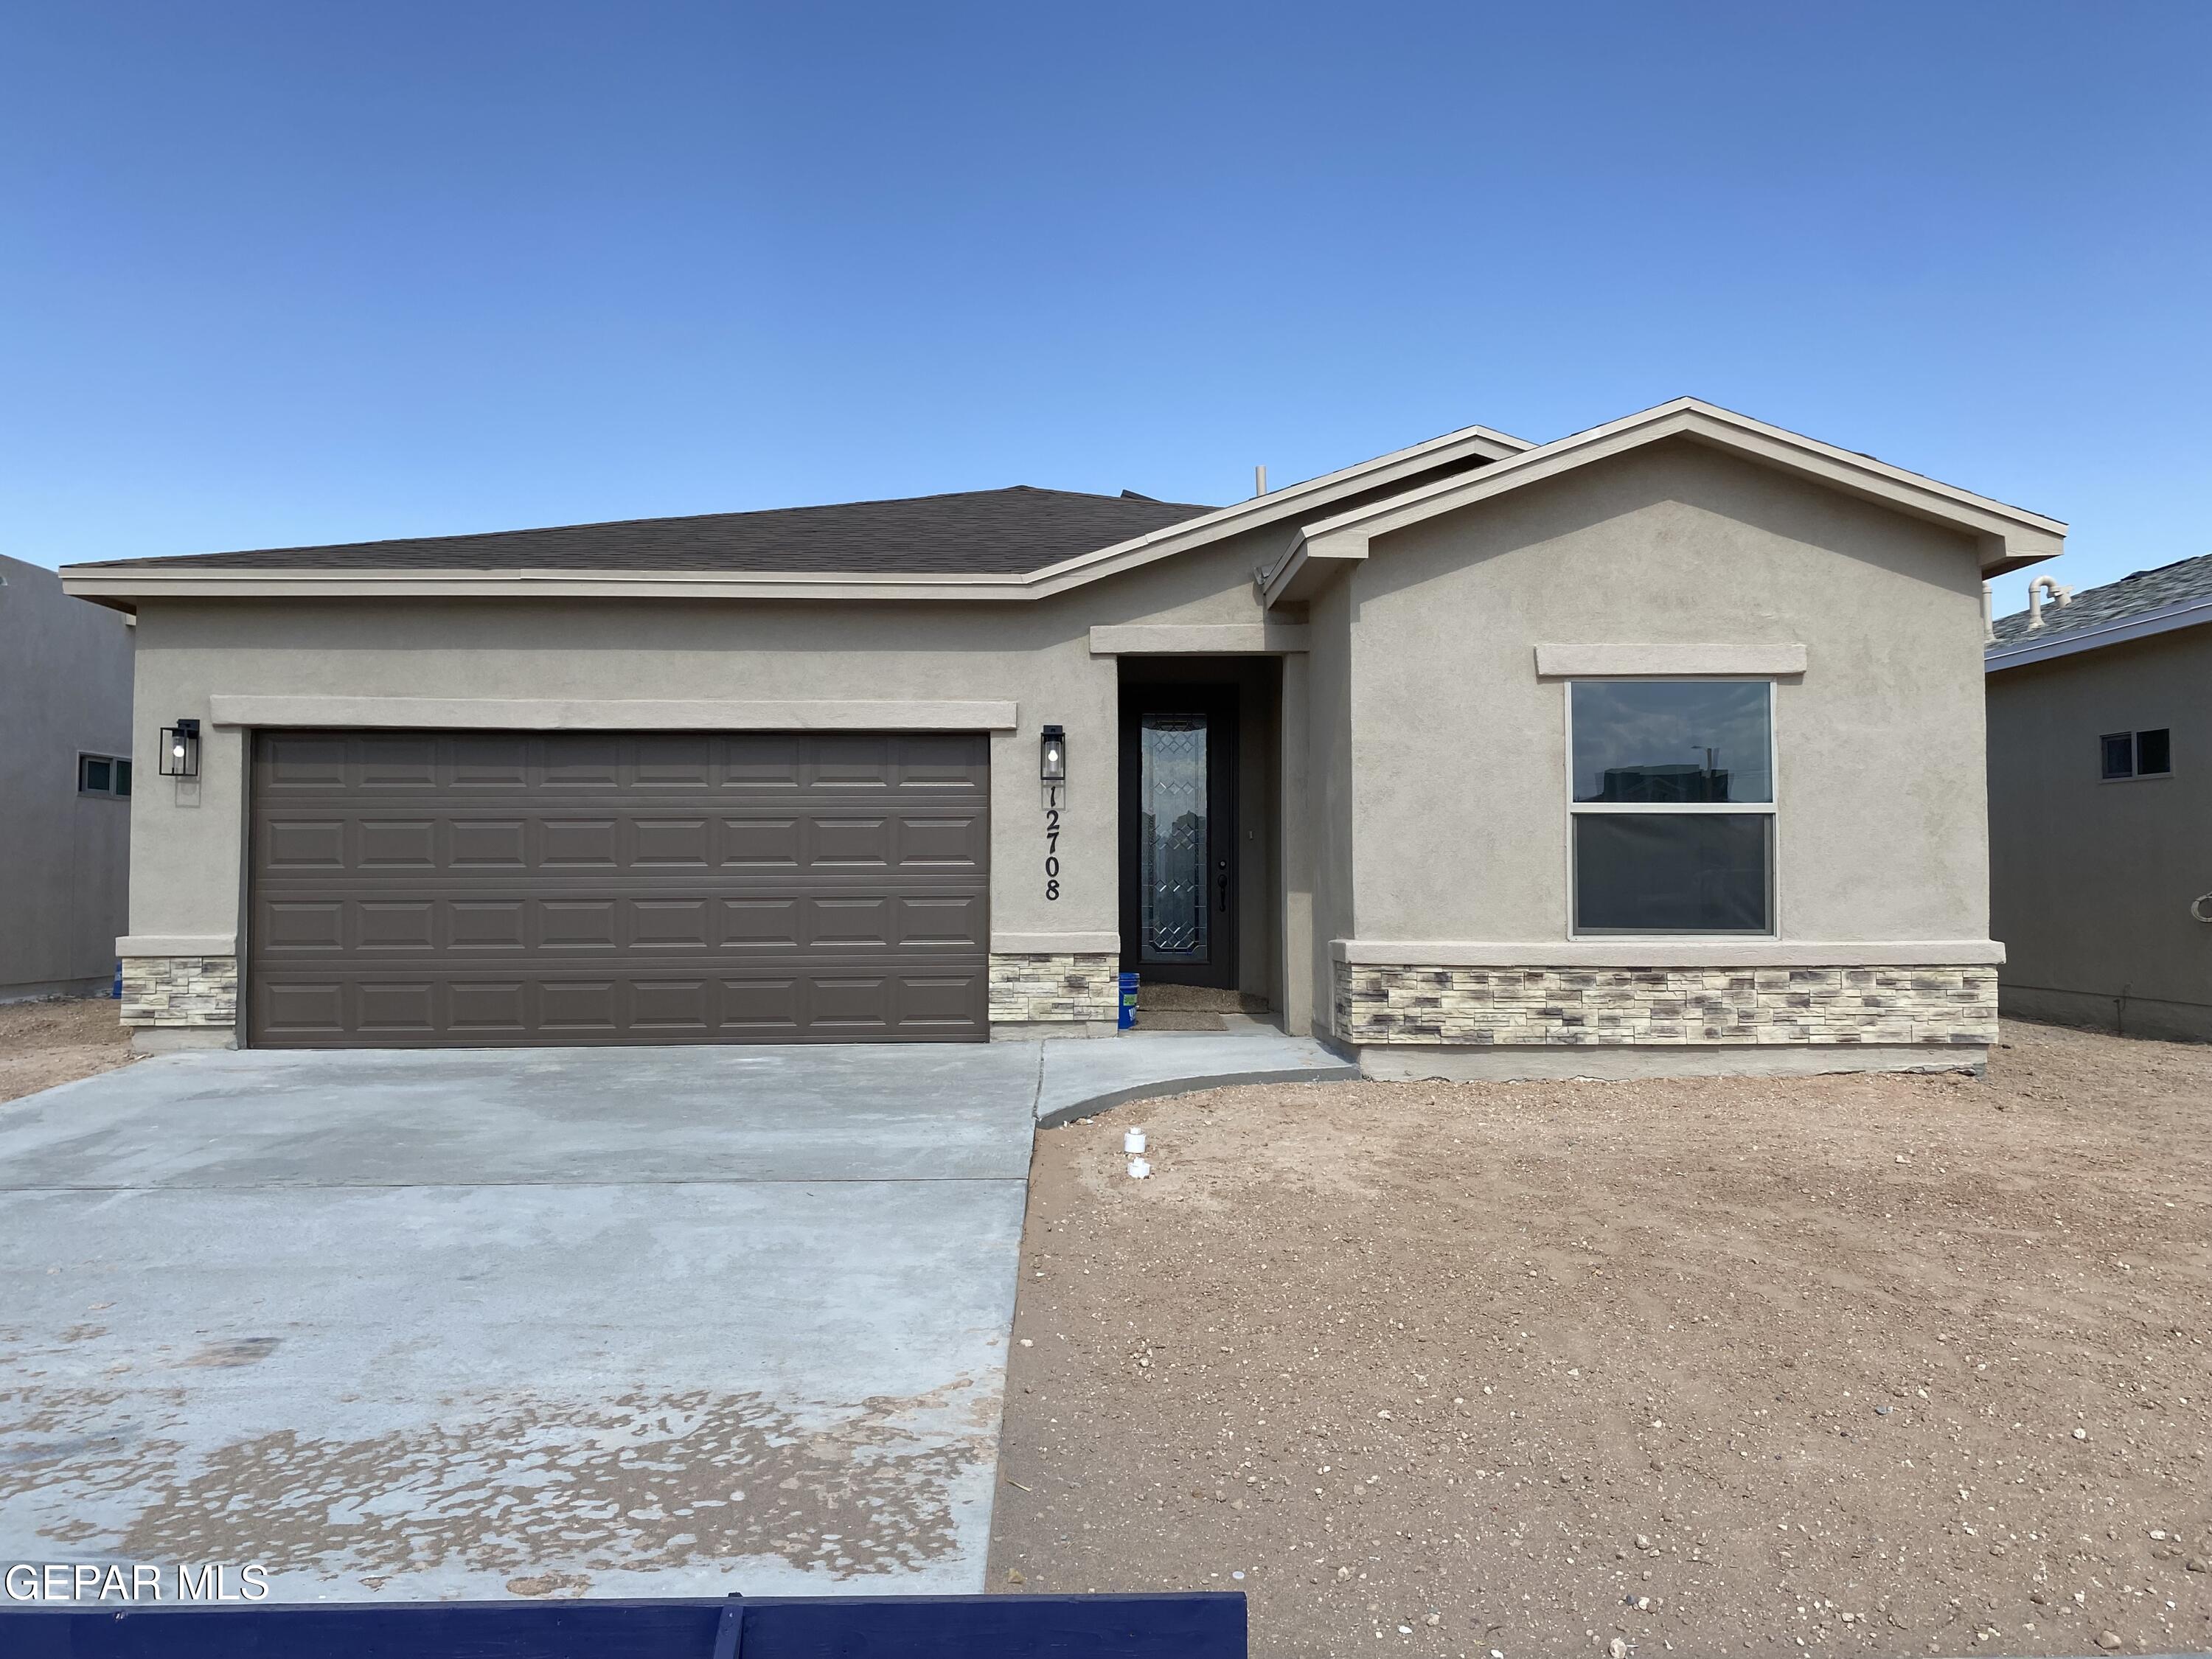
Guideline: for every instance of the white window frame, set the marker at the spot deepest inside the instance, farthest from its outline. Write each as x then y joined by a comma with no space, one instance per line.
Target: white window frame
1770,808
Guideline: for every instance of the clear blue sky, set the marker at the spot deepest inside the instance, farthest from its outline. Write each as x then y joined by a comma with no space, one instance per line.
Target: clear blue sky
286,273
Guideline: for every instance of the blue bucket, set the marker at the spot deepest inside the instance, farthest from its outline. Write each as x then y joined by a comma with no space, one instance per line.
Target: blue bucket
1128,1010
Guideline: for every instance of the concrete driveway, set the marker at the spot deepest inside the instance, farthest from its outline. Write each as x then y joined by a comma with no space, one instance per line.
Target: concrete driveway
665,1322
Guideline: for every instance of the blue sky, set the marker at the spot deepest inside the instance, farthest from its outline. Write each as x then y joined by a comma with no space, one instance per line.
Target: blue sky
275,274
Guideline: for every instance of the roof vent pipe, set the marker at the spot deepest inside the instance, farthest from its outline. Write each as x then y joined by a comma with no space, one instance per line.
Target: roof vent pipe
1259,481
2037,589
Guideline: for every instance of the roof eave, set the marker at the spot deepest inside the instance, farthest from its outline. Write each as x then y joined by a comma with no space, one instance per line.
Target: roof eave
123,587
2144,624
2007,538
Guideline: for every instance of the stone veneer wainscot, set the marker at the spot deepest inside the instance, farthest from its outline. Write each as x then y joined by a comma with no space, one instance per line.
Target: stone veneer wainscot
198,991
1042,987
1567,1007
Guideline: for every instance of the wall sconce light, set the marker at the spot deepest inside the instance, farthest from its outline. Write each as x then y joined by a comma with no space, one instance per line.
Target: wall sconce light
180,749
1052,755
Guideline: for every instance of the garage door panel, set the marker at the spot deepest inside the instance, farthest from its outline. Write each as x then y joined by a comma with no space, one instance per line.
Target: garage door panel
567,843
850,841
947,921
938,1001
304,844
383,843
303,1009
566,925
384,926
759,843
671,1006
675,758
302,926
761,924
670,924
670,843
295,761
486,761
576,1007
488,1007
587,761
858,761
940,762
409,763
415,888
397,1007
475,926
489,844
943,842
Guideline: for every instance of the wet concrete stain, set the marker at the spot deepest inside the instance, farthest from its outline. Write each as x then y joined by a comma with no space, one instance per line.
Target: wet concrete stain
244,1351
508,1485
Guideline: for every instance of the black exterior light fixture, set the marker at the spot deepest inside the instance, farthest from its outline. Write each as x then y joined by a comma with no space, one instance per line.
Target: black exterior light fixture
1052,755
180,749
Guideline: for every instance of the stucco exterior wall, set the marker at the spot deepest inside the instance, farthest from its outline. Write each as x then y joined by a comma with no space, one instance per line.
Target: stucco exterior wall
2091,882
189,837
1459,773
64,877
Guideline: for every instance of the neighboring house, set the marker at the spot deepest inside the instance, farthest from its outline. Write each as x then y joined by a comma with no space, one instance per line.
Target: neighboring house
65,782
1654,749
2100,793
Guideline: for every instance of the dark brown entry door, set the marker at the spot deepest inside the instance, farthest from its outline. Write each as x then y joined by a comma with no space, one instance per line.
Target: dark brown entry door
1179,834
479,889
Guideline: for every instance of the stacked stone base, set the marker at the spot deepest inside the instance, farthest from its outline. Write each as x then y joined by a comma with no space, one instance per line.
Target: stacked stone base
1951,1008
172,1003
1079,992
180,991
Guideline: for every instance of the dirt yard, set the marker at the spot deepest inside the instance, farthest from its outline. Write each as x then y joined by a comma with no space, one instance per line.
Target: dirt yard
43,1043
1881,1365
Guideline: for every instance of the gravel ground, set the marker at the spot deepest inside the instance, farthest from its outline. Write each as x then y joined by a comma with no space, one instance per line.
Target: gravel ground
1876,1364
43,1043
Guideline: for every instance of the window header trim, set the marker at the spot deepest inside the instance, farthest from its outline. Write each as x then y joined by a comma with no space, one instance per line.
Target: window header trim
1559,662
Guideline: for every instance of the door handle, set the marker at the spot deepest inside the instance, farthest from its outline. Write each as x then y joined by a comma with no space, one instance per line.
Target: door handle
1222,902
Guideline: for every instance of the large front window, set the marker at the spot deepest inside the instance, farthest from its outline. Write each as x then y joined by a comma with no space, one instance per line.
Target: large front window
1673,806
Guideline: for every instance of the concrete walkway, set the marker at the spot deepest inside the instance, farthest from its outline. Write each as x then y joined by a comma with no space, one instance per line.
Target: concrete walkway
655,1321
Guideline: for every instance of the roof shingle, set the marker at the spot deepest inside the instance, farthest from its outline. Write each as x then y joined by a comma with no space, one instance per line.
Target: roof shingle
972,533
2096,607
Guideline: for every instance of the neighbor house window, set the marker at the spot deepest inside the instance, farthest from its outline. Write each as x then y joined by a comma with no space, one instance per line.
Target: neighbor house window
102,774
1673,806
2138,753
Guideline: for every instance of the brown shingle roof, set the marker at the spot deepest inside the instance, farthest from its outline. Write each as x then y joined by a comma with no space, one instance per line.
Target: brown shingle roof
972,533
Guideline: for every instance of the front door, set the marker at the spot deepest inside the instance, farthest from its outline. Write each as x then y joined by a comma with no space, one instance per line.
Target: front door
1179,834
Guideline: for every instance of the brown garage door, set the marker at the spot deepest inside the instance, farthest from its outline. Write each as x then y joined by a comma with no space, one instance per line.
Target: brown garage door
469,888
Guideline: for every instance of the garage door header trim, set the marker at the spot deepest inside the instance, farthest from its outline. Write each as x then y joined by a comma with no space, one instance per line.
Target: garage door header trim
609,714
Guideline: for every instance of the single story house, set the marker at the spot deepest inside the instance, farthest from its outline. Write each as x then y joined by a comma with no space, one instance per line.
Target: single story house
65,787
2101,875
1657,748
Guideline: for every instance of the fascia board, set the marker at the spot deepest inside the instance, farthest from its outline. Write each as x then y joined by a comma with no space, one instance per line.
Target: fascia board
2018,653
1290,501
2012,536
212,582
1312,561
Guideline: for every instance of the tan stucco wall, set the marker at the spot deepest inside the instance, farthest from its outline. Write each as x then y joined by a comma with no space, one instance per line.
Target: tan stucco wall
1458,793
2091,882
1419,766
188,839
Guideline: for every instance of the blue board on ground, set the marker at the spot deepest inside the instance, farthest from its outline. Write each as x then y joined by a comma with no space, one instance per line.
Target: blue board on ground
1197,1625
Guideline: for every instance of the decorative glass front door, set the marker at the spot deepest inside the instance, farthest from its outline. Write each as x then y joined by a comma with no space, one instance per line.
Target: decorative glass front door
1173,840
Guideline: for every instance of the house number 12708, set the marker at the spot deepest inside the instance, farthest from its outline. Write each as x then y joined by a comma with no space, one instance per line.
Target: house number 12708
1052,853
